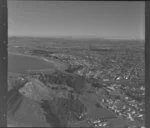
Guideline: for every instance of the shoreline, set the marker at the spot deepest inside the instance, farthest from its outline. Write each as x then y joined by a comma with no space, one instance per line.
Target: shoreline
57,64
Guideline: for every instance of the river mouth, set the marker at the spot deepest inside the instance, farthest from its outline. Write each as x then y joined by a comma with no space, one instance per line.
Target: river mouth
22,63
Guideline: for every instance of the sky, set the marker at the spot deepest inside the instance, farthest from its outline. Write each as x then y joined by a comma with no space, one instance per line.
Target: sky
104,19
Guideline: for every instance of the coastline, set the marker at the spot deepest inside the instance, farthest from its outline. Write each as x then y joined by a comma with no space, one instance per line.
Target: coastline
58,65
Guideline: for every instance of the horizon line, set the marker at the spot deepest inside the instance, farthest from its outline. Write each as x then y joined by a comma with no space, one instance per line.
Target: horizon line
76,37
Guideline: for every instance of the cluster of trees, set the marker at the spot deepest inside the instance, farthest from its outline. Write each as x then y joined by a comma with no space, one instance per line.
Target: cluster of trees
59,110
74,81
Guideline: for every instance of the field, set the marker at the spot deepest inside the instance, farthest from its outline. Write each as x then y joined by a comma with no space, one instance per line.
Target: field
95,83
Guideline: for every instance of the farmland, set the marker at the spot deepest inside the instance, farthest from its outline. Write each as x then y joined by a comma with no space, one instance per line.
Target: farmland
95,83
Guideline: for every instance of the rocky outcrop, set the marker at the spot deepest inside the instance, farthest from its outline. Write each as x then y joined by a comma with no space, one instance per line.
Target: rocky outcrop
34,104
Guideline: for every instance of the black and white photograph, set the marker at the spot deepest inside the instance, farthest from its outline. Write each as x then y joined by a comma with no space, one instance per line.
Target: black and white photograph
76,64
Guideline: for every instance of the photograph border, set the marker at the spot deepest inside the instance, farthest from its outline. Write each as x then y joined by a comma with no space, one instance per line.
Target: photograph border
147,63
3,62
